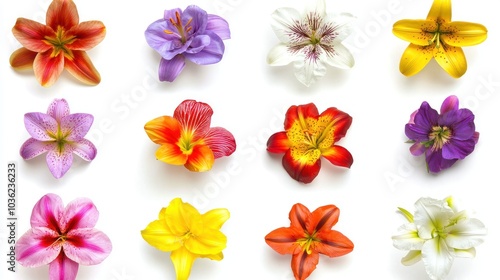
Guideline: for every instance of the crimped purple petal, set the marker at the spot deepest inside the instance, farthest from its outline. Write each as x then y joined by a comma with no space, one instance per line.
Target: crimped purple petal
47,211
79,213
58,109
475,137
436,162
84,149
449,104
198,17
210,54
170,69
219,26
63,268
220,141
417,149
40,126
458,149
461,123
76,126
425,119
199,43
87,246
37,247
59,163
32,148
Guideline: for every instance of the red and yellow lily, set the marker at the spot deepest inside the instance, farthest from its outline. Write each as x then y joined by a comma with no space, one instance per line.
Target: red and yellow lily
187,138
438,37
308,136
309,235
59,44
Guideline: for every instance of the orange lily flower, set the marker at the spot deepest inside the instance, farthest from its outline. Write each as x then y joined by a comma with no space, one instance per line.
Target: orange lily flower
309,235
187,138
59,44
308,136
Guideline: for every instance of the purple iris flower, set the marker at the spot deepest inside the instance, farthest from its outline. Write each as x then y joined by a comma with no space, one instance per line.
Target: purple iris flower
190,34
445,137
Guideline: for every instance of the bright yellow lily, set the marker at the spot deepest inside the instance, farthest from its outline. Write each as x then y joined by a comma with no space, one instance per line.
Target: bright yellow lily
185,232
438,37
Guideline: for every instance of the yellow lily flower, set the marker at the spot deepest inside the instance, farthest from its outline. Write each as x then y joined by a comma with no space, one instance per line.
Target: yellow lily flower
438,37
185,232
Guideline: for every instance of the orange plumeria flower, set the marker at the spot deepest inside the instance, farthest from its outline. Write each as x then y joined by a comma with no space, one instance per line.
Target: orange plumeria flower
309,235
308,136
187,138
59,44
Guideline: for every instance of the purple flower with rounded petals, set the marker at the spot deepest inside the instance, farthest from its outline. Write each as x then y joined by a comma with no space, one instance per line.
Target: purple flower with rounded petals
444,137
60,134
63,237
190,34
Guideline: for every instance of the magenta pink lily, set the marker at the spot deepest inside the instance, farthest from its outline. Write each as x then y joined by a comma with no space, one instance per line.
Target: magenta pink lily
63,237
60,134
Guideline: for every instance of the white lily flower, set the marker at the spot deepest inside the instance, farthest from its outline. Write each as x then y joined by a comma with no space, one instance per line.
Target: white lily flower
310,40
436,234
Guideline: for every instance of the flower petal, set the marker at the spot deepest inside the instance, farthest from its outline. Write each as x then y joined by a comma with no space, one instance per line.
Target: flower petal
60,162
436,162
40,126
32,34
63,268
158,235
302,166
415,58
282,21
58,109
182,217
201,159
183,261
210,54
37,247
299,215
46,212
48,66
220,141
280,55
80,66
79,213
415,31
449,104
22,59
323,218
451,59
210,242
417,149
76,126
431,214
88,34
163,130
32,148
84,149
466,234
407,238
339,156
62,13
425,118
458,149
333,243
461,123
170,69
197,16
219,26
171,154
87,246
341,57
332,122
194,117
304,264
441,9
437,258
463,34
278,143
284,240
308,70
215,218
300,114
166,44
465,253
412,257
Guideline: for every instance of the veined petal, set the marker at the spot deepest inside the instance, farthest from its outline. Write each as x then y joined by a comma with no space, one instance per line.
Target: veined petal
412,257
158,235
220,141
88,35
332,123
171,154
40,126
170,69
32,148
22,59
210,54
201,159
282,21
466,234
182,217
278,143
58,109
308,70
87,246
183,261
284,240
215,218
210,242
79,213
436,162
415,31
449,104
437,258
407,238
339,156
299,215
462,34
415,58
197,16
300,114
451,59
333,243
31,35
48,66
164,129
341,57
219,26
63,268
441,9
423,121
60,162
461,123
167,45
194,117
76,126
37,247
280,55
304,264
62,13
84,149
46,212
323,218
81,67
302,166
458,149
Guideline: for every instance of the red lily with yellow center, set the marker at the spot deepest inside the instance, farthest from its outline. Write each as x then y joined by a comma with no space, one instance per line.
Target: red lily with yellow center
59,44
308,136
309,235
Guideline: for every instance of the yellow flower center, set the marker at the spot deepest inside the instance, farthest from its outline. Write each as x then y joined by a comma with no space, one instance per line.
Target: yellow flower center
182,30
307,243
438,137
60,41
60,139
186,143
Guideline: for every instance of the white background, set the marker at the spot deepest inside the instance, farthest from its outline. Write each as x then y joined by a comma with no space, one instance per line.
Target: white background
249,98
